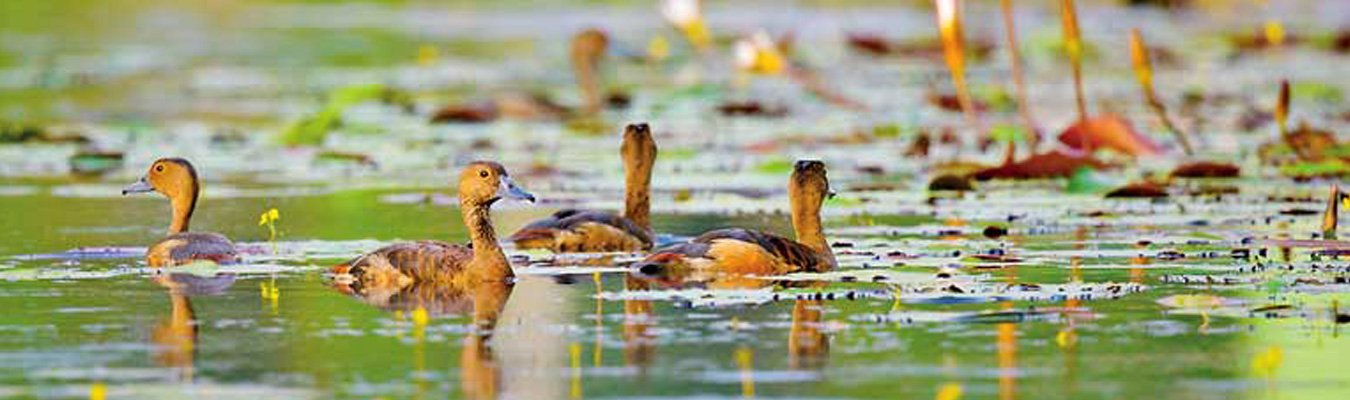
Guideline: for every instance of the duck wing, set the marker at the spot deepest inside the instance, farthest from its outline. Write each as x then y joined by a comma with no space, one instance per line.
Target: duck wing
796,256
401,264
574,230
186,247
735,252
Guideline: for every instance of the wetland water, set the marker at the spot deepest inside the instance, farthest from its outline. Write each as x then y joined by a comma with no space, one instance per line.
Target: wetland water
1085,297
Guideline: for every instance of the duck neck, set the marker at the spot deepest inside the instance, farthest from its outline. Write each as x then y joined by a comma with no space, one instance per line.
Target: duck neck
806,224
184,202
1331,217
637,192
489,263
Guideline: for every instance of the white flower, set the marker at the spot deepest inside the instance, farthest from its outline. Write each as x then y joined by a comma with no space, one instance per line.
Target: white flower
681,12
946,12
745,53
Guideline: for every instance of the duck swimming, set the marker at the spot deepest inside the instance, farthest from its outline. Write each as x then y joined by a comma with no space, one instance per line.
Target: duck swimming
602,231
176,179
730,253
587,52
481,184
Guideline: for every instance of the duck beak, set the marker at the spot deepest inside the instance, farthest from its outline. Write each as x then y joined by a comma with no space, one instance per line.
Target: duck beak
140,186
830,193
508,190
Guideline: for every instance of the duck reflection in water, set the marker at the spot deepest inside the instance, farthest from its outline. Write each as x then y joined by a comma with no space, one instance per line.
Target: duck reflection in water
639,344
808,344
175,338
480,374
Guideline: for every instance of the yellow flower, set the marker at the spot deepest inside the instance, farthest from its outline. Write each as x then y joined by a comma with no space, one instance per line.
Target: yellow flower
98,391
269,216
420,316
759,54
1266,362
1274,32
1066,338
427,55
658,49
949,391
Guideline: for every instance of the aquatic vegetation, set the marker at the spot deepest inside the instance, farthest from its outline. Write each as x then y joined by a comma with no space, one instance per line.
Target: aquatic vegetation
269,219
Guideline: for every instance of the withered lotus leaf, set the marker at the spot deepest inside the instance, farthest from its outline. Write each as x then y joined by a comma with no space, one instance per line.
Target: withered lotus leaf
1108,132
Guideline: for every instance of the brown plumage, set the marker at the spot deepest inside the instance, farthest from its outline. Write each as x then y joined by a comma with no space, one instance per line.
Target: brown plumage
603,231
399,265
729,258
587,51
176,179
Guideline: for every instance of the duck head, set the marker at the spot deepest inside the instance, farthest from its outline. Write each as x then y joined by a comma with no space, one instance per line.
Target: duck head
171,177
176,179
638,149
484,182
809,183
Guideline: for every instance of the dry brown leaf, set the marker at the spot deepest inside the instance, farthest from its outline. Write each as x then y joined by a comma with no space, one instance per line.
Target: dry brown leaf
1108,132
1053,164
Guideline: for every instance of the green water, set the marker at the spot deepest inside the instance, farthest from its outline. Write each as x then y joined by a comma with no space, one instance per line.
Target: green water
66,334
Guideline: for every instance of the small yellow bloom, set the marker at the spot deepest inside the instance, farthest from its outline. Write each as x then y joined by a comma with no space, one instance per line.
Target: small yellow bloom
658,49
1266,362
98,391
269,216
760,55
949,391
1275,32
420,317
1066,338
427,55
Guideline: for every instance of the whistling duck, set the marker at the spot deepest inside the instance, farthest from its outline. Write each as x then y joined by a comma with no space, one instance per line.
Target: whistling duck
587,51
481,184
729,253
176,179
599,231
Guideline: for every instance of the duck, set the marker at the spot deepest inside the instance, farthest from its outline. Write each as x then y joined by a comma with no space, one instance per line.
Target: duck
481,184
731,258
573,230
176,179
587,51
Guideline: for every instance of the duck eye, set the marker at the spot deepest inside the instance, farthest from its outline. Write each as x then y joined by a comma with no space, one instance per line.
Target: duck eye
159,168
483,173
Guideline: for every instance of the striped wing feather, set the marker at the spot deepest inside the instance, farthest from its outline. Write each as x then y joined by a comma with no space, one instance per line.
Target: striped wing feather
186,247
400,264
794,256
583,231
